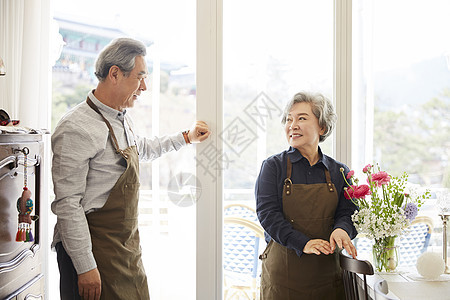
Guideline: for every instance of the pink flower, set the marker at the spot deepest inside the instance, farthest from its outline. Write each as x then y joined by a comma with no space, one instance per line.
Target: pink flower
361,191
350,174
358,192
367,168
379,178
349,192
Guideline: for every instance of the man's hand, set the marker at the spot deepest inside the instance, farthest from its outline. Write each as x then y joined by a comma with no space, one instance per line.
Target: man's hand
340,237
90,285
199,132
317,247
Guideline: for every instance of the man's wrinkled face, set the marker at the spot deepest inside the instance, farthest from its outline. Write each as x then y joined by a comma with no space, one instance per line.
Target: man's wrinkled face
133,84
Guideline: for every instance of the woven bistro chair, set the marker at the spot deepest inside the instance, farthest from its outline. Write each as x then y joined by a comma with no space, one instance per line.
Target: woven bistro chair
241,241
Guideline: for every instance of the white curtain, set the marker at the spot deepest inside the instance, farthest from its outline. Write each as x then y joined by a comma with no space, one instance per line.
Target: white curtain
25,90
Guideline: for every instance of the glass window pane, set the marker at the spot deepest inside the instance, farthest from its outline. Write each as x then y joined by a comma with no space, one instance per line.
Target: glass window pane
401,95
168,190
272,50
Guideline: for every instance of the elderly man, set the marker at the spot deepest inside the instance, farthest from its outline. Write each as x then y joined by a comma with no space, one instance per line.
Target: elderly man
96,180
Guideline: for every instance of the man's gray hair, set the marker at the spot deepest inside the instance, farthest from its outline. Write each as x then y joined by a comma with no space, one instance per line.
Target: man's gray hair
321,107
120,52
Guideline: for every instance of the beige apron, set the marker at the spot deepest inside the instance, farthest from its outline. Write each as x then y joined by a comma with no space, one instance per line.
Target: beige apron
310,209
115,235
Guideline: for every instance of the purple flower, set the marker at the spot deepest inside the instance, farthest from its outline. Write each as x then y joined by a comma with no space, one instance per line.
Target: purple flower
410,211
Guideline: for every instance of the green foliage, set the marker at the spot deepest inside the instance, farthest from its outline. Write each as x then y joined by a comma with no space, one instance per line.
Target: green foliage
396,188
416,140
65,98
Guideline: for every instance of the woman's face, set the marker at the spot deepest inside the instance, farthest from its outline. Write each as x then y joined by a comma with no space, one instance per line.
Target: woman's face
302,128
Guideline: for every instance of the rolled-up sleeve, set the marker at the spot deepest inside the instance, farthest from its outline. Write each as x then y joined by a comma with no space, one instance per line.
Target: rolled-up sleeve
152,148
270,211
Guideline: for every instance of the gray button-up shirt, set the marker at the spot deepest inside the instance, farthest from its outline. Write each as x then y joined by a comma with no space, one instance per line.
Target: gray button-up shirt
85,168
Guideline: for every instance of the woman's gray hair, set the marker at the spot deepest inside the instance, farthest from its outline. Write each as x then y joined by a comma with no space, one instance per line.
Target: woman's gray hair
321,107
120,52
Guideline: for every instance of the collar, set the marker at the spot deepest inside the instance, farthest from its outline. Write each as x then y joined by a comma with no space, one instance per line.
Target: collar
296,156
107,111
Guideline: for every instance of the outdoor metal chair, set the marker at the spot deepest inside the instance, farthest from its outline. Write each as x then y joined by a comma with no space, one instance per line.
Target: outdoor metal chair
350,268
241,240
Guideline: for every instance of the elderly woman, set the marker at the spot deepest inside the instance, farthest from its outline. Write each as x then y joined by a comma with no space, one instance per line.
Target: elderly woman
302,208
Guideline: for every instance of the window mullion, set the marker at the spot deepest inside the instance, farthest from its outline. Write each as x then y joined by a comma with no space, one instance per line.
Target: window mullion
209,109
342,79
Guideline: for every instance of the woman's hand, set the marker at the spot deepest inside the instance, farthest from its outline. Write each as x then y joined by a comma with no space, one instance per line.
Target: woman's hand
340,237
317,247
199,132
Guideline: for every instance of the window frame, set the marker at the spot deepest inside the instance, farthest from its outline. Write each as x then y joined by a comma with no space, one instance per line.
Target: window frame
209,87
209,84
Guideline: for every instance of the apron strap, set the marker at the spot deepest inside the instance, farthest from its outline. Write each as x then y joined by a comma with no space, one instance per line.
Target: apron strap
328,177
111,131
289,168
288,181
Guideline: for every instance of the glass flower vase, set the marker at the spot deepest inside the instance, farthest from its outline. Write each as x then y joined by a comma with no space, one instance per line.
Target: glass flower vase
385,254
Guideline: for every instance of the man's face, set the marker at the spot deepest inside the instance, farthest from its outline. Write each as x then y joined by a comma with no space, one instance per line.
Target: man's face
132,85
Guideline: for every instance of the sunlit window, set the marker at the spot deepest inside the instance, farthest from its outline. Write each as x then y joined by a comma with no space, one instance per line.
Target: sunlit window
401,93
271,52
168,187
